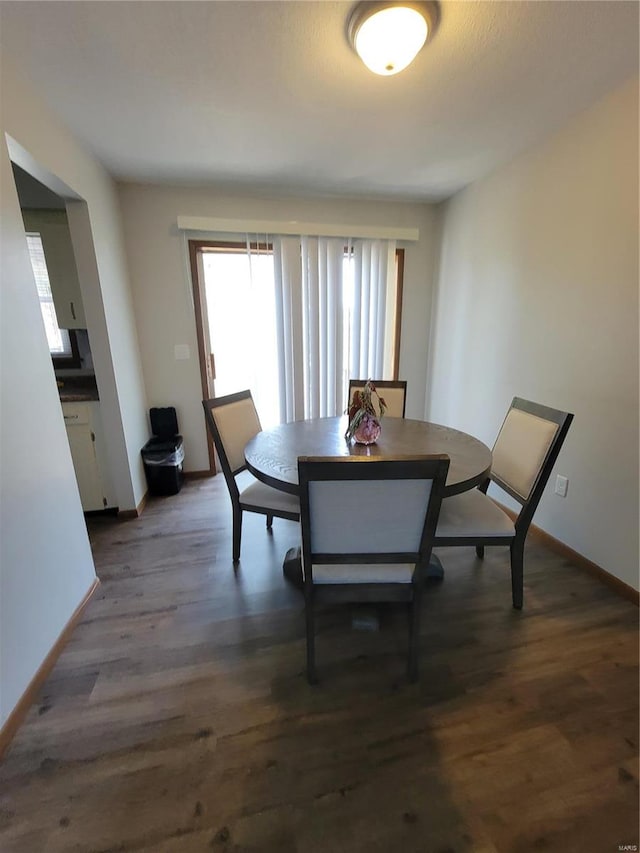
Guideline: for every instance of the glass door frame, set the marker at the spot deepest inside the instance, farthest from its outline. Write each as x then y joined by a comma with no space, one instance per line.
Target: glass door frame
198,248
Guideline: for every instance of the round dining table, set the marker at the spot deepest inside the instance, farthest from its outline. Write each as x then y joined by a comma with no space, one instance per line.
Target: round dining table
272,455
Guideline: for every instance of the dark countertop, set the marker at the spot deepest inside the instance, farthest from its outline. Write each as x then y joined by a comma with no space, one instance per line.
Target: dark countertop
77,398
77,389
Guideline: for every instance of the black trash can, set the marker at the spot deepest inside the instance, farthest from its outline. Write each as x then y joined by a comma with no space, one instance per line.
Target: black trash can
163,455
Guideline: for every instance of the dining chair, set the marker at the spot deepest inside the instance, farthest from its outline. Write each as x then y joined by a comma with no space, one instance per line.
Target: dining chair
367,530
393,391
233,421
524,453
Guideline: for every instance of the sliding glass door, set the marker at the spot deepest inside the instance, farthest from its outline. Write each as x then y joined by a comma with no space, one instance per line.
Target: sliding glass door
294,319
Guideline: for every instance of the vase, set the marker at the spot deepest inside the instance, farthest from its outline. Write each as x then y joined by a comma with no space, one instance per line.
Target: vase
368,431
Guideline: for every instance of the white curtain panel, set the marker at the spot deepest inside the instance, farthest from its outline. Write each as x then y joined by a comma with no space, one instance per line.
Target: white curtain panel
327,330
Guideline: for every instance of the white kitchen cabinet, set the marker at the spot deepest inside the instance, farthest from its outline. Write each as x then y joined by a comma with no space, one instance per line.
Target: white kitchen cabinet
53,227
86,440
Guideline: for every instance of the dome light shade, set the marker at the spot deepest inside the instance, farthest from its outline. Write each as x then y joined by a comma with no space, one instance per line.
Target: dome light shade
388,36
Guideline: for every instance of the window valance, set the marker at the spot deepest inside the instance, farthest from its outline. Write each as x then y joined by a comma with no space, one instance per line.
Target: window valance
294,227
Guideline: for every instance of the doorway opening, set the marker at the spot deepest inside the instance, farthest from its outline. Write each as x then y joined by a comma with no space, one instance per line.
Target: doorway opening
48,232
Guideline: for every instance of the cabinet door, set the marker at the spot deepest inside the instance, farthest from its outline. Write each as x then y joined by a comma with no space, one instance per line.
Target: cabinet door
82,441
83,453
100,447
53,227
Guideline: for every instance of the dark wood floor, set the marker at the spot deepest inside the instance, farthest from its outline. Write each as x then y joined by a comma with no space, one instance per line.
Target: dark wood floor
178,718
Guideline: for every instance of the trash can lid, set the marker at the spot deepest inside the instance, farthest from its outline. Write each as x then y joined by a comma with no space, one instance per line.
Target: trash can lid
164,421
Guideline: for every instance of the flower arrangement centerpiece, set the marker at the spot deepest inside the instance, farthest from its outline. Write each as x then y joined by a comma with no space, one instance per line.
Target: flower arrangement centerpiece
364,422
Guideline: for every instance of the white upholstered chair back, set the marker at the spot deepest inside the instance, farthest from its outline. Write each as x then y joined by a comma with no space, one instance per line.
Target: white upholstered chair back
237,423
370,510
393,393
355,516
520,450
394,398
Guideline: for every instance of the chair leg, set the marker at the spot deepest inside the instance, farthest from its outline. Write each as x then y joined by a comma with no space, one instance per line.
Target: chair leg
237,533
312,676
517,572
480,552
414,633
269,522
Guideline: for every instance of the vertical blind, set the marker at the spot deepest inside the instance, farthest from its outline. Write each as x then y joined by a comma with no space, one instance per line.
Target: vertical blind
334,305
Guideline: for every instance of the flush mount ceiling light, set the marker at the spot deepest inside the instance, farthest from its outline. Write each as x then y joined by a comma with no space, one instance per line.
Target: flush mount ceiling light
387,36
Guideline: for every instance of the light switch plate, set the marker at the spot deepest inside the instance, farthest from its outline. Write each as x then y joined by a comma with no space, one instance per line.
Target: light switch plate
182,352
562,486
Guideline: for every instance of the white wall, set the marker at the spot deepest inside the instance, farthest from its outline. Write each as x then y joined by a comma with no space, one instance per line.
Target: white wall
538,297
45,560
43,146
163,297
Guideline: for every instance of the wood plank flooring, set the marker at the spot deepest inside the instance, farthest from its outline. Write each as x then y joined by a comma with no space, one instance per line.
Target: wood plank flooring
178,718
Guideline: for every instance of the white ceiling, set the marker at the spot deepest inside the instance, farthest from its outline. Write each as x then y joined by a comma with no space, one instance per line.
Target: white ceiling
269,95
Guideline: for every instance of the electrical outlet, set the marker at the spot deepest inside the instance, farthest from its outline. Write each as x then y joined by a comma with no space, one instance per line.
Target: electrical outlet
562,486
